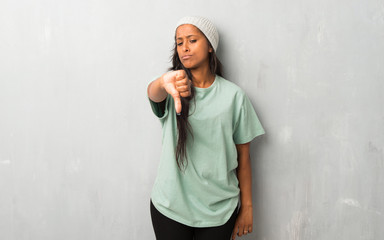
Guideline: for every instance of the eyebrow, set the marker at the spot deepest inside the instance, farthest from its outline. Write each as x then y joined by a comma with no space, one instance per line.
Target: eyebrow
187,37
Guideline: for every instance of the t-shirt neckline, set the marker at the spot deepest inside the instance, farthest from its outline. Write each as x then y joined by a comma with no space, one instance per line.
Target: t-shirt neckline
208,88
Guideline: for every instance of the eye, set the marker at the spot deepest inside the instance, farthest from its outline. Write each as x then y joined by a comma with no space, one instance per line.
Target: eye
192,41
180,43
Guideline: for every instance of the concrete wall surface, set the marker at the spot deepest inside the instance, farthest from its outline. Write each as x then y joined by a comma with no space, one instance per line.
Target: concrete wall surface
80,146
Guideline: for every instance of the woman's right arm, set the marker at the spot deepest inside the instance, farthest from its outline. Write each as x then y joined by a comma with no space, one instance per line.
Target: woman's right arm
156,91
176,83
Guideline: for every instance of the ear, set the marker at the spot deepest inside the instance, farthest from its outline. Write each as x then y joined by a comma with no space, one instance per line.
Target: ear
210,49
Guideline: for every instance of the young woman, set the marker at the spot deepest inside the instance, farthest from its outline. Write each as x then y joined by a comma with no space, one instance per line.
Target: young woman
208,123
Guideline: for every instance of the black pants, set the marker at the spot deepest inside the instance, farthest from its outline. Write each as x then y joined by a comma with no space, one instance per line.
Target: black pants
168,229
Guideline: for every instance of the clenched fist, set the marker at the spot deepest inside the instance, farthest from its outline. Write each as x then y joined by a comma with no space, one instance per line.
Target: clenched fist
177,84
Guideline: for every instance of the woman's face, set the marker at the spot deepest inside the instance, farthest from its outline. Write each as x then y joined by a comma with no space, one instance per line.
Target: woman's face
192,46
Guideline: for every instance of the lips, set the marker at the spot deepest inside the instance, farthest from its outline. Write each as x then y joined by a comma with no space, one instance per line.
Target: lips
186,57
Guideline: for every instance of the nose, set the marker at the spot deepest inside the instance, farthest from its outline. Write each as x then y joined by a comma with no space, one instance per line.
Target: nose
185,47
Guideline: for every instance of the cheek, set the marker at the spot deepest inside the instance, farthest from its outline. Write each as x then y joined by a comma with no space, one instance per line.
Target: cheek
203,49
179,52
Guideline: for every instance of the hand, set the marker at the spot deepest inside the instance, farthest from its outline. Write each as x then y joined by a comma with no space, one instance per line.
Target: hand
177,84
244,222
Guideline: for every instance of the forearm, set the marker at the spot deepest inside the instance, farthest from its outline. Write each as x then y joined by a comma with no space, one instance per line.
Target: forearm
244,175
244,221
156,91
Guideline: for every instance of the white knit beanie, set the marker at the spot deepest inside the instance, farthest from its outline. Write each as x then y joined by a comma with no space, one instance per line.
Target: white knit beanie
205,25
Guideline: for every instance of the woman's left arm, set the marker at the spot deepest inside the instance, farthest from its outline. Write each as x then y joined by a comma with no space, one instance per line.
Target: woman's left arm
244,220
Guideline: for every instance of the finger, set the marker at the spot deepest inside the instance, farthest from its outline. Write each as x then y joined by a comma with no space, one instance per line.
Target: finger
241,230
180,75
234,233
181,89
182,82
177,100
247,229
185,94
233,236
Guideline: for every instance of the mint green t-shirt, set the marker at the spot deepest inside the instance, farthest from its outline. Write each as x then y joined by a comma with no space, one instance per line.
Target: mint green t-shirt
207,192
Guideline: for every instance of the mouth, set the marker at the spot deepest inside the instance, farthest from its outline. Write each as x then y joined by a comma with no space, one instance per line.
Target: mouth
186,57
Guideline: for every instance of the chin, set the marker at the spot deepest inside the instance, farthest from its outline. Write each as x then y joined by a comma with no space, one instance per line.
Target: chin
189,66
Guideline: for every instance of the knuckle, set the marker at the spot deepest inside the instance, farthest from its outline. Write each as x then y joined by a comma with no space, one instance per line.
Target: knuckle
181,89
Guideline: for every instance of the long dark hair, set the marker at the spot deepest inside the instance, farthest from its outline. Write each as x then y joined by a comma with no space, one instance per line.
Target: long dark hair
183,125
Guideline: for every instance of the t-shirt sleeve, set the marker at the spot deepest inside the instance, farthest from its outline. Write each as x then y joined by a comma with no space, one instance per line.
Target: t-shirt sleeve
160,109
247,125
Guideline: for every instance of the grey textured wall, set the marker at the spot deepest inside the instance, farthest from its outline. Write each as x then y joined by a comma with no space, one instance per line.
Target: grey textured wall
79,145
